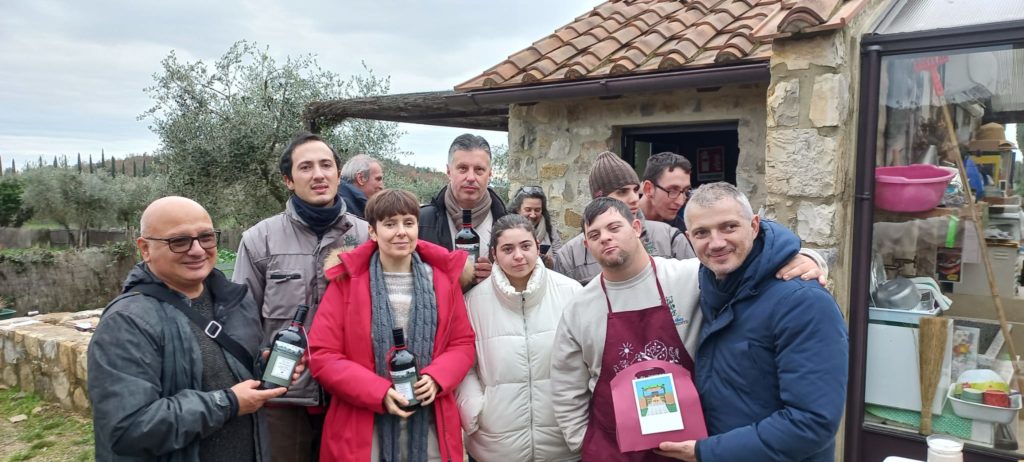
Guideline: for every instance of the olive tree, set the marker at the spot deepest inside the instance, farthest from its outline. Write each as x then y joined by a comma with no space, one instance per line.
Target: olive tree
223,125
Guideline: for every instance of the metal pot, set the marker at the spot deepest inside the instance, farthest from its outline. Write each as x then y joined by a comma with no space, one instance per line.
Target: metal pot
900,293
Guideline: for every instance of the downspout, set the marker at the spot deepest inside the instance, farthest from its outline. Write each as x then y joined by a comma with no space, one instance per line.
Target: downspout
863,209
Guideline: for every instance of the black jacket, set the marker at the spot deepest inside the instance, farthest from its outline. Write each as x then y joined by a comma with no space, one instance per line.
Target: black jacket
434,218
145,373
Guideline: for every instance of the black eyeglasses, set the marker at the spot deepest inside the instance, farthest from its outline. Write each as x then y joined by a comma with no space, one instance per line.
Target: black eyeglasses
673,193
529,190
182,244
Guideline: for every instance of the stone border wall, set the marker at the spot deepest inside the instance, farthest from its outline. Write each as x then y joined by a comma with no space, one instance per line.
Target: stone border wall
46,355
56,281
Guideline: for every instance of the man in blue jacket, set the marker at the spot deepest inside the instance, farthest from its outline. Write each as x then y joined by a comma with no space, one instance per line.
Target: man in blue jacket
771,362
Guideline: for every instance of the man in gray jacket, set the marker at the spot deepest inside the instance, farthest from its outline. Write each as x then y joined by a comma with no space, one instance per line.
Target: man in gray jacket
162,386
281,261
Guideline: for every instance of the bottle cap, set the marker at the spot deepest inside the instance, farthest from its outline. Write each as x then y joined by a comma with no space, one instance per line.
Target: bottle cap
467,216
398,335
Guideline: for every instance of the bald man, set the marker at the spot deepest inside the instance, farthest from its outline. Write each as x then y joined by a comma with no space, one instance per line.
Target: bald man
171,365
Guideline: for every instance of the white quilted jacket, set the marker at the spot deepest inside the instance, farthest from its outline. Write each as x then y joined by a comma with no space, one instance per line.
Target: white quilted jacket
505,400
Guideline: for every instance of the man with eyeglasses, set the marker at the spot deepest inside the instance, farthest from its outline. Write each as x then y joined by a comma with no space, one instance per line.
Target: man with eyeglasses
281,260
666,188
172,369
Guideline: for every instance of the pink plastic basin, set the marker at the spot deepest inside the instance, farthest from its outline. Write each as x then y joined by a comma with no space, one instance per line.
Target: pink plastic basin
910,188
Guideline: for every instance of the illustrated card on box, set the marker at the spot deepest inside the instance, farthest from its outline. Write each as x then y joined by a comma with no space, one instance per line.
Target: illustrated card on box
657,404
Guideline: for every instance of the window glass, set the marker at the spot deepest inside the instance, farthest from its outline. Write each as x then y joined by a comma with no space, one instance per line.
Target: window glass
932,319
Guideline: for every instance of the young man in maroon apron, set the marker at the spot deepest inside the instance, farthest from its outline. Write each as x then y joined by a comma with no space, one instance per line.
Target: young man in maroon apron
639,308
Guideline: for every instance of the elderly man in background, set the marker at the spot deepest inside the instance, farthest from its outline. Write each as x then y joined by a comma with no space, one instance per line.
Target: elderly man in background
361,178
172,374
469,174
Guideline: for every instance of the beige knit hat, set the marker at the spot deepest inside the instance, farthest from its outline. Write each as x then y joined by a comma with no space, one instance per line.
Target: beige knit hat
609,173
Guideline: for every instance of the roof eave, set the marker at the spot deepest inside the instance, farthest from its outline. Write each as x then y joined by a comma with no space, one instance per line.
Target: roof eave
745,73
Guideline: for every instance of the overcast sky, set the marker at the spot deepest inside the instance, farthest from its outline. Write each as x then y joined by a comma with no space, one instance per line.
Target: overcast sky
72,73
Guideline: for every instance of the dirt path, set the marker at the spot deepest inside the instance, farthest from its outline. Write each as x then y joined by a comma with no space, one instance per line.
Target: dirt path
48,434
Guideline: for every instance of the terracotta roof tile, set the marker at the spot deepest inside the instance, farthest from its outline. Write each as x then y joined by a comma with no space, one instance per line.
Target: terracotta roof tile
670,28
735,8
627,34
548,44
566,34
626,37
524,58
717,21
583,42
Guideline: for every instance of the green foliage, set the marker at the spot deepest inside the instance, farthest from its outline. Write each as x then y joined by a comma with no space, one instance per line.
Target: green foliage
88,200
13,212
423,182
223,125
225,256
499,170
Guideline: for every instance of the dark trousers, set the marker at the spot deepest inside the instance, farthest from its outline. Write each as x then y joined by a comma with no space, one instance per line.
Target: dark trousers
294,434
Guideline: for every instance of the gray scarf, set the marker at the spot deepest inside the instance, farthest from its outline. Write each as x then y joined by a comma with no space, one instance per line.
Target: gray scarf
540,231
419,340
480,210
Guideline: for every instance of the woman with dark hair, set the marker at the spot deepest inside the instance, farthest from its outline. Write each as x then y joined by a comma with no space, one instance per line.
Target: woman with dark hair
392,281
505,399
530,202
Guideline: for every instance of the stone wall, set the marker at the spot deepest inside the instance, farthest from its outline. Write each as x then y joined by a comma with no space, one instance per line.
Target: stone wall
46,355
812,139
52,281
554,143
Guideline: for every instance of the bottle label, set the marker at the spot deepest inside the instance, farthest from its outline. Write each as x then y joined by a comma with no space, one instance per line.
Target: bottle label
472,249
403,381
283,359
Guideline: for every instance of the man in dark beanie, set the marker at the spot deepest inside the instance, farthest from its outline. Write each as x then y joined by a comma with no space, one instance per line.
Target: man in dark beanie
281,260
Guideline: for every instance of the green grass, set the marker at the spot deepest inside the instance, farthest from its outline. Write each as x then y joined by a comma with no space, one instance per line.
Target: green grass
49,435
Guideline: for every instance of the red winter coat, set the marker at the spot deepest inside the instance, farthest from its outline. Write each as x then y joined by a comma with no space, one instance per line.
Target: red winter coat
342,360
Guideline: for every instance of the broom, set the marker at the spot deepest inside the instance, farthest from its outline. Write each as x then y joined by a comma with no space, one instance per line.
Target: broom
931,351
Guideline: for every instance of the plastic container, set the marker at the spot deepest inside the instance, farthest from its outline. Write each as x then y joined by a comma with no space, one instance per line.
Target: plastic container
910,188
943,448
978,411
901,316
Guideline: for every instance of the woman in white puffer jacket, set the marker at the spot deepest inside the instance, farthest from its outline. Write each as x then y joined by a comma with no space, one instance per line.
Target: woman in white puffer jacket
505,400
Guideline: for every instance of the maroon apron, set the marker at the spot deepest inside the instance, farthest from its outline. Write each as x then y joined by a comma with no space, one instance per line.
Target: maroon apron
631,336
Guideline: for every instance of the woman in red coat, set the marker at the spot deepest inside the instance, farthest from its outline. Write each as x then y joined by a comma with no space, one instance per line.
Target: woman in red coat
392,281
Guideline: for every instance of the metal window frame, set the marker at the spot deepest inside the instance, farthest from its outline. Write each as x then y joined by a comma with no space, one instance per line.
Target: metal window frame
874,47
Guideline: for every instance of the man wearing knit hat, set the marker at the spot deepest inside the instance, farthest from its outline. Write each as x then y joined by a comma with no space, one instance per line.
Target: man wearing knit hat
613,177
640,308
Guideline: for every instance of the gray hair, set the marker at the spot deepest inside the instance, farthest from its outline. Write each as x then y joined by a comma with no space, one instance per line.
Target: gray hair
710,194
469,142
358,164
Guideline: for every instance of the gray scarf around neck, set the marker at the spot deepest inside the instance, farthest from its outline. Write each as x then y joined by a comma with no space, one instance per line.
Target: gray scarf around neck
420,342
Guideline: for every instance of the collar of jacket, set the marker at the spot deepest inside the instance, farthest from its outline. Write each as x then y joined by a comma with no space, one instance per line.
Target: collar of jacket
356,262
341,226
509,296
223,291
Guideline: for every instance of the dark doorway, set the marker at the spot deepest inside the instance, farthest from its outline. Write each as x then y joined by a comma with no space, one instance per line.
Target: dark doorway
713,149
